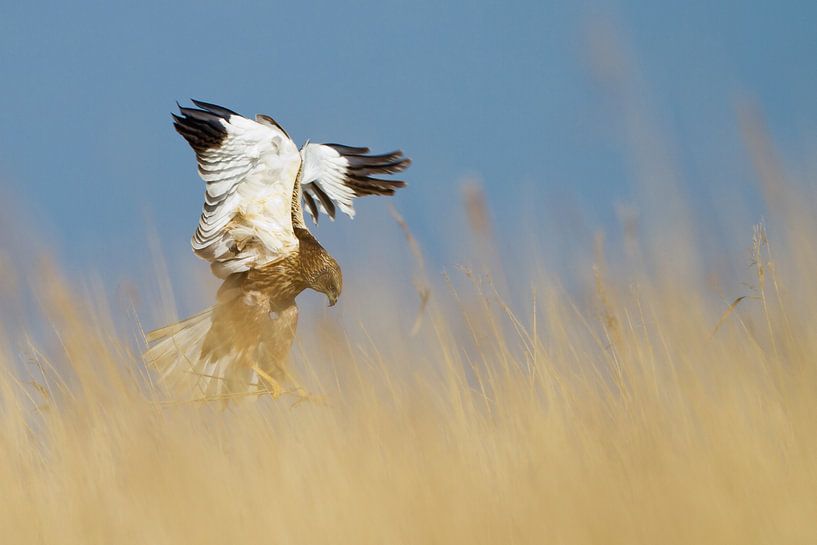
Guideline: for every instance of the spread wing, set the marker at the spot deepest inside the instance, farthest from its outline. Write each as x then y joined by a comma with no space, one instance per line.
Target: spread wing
249,168
335,175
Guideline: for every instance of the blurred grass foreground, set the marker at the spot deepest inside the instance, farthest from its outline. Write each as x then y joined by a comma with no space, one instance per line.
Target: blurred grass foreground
634,403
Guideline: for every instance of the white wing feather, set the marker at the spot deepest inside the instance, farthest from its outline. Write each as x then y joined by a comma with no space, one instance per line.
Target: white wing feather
334,174
249,168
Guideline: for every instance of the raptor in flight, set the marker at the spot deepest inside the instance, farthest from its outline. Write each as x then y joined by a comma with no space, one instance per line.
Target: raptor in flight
252,231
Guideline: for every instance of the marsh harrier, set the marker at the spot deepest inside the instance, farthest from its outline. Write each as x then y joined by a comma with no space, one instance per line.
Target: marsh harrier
253,233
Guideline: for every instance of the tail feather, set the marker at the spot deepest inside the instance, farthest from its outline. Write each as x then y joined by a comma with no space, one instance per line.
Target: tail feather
169,330
216,353
176,350
183,367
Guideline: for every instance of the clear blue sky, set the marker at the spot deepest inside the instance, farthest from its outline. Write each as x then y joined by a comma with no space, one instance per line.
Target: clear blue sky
505,90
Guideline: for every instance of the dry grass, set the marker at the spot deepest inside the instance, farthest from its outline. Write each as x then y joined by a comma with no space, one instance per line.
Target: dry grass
646,411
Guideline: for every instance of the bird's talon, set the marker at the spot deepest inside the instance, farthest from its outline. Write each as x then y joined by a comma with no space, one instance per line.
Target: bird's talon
304,396
273,386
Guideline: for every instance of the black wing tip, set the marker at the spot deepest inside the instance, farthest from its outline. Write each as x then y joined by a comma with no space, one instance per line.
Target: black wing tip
202,126
313,209
348,150
268,120
362,167
365,185
326,202
205,110
220,111
386,163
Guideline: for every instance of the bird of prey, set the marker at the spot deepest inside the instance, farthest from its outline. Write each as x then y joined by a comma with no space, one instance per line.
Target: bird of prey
253,233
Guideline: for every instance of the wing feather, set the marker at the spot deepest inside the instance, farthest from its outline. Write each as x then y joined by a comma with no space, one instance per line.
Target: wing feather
335,174
249,169
310,204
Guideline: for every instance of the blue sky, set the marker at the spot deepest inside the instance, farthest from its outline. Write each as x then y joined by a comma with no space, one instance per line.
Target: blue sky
506,91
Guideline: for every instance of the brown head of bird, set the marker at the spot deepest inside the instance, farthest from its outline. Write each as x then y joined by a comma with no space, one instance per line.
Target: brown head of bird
328,280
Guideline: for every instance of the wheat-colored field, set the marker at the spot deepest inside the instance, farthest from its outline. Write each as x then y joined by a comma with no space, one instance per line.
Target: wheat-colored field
642,405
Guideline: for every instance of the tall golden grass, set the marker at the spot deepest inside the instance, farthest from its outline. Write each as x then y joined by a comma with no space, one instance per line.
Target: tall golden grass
641,406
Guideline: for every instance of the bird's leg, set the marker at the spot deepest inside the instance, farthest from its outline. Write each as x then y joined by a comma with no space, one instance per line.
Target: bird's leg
275,388
302,393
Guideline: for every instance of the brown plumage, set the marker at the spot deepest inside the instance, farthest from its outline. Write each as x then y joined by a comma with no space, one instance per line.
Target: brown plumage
253,233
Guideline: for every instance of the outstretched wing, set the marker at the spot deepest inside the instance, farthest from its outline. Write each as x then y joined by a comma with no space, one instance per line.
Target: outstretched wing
335,175
249,168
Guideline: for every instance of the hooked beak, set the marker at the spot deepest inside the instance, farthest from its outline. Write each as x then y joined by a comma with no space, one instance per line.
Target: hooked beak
332,300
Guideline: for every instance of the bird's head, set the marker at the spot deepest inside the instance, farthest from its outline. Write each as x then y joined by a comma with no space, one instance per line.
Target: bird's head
329,281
